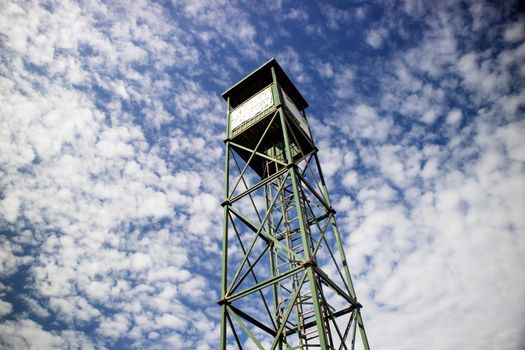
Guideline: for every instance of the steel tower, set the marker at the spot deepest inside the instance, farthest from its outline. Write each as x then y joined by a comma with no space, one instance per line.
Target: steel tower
285,278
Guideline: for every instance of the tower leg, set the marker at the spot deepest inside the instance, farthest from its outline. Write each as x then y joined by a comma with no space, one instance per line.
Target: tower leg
224,276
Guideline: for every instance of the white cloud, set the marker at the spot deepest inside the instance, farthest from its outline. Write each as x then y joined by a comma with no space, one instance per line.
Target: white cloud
430,169
114,327
140,261
5,308
73,308
204,208
364,122
8,259
454,116
336,17
170,321
97,290
26,334
291,61
343,82
375,37
515,31
351,179
35,307
325,70
224,20
424,105
10,207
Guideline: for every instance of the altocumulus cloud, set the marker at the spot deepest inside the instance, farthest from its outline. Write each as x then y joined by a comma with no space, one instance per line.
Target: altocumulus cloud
111,131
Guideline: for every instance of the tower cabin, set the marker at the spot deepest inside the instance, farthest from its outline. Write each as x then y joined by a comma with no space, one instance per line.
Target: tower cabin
253,120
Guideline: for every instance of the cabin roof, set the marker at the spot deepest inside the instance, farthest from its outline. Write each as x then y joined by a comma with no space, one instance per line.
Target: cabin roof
259,79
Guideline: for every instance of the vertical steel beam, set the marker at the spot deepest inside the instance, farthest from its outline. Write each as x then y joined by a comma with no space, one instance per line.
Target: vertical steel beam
224,278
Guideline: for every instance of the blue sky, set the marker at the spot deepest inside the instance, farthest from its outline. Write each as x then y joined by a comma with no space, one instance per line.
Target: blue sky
111,164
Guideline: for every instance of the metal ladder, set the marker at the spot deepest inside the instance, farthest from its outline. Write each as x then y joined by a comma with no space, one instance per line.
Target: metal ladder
304,315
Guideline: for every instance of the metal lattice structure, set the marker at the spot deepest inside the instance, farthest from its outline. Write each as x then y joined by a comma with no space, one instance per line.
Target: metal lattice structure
285,278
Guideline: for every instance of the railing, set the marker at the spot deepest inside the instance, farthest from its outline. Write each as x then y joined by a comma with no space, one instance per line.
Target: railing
247,124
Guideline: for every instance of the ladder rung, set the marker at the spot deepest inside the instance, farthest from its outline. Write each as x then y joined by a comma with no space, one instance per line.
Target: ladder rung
307,339
307,312
308,318
311,332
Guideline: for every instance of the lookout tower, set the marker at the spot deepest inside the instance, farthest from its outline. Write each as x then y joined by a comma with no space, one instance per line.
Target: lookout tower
285,278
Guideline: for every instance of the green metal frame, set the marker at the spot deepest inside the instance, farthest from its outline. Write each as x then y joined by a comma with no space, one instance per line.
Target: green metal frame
274,291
